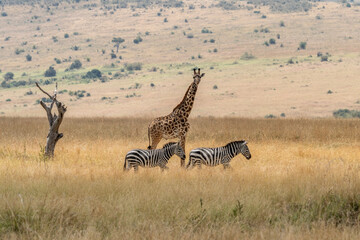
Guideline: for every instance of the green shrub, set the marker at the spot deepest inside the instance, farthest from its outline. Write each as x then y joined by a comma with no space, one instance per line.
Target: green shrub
265,30
190,35
18,51
270,116
346,113
112,55
75,48
8,76
28,58
66,35
282,24
54,38
302,45
95,73
324,58
215,50
272,41
205,30
133,66
137,40
212,40
4,14
266,43
58,61
165,20
5,84
247,56
76,65
51,72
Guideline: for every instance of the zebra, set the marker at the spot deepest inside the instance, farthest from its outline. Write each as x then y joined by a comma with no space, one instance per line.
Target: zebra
220,155
153,158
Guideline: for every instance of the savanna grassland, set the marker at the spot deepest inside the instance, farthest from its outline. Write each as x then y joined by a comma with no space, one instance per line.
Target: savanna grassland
296,61
302,182
249,50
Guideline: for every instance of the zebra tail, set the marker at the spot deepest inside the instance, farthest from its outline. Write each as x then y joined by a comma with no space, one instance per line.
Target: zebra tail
125,165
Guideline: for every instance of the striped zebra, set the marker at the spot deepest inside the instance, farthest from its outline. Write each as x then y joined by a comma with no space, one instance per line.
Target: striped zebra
220,155
153,158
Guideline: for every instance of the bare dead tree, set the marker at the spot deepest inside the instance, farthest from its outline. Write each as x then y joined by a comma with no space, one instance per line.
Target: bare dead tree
54,121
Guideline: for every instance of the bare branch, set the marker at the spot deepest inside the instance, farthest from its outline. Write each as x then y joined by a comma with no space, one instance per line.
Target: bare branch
44,91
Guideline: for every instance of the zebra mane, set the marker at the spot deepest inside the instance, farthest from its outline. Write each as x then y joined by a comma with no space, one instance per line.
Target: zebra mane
235,143
169,144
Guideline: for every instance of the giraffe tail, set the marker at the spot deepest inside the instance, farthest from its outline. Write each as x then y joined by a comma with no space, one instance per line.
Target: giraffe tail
149,147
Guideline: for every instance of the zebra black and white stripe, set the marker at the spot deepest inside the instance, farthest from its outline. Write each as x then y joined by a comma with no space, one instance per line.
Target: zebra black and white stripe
220,155
154,157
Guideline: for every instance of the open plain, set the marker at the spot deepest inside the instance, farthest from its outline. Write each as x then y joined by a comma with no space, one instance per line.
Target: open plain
230,46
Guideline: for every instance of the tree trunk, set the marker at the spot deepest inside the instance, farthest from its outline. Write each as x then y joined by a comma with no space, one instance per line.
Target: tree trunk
54,122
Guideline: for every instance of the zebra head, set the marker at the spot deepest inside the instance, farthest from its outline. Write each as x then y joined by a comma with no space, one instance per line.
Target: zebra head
197,76
245,150
180,151
239,147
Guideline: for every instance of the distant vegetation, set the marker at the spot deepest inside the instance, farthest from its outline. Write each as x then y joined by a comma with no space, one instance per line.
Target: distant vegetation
133,66
51,72
284,6
346,113
247,56
75,65
302,45
95,73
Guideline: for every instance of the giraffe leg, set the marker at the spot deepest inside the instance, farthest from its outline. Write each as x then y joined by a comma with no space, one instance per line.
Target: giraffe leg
182,143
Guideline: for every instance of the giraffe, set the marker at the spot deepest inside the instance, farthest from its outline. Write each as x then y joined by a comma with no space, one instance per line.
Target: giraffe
175,125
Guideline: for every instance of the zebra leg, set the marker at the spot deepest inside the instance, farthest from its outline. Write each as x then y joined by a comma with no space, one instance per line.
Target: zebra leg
136,168
164,168
226,166
182,144
198,163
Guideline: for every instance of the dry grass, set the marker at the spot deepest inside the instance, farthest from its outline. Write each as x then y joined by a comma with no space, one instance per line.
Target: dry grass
302,182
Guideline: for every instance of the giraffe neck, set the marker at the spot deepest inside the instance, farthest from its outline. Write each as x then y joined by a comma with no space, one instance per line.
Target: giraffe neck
184,108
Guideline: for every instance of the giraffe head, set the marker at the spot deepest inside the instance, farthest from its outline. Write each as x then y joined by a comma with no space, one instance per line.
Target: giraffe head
197,76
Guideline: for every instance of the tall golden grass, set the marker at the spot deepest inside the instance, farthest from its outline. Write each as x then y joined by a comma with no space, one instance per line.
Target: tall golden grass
302,182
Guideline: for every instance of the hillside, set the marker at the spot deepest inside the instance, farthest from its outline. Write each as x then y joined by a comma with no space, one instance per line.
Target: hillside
250,52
